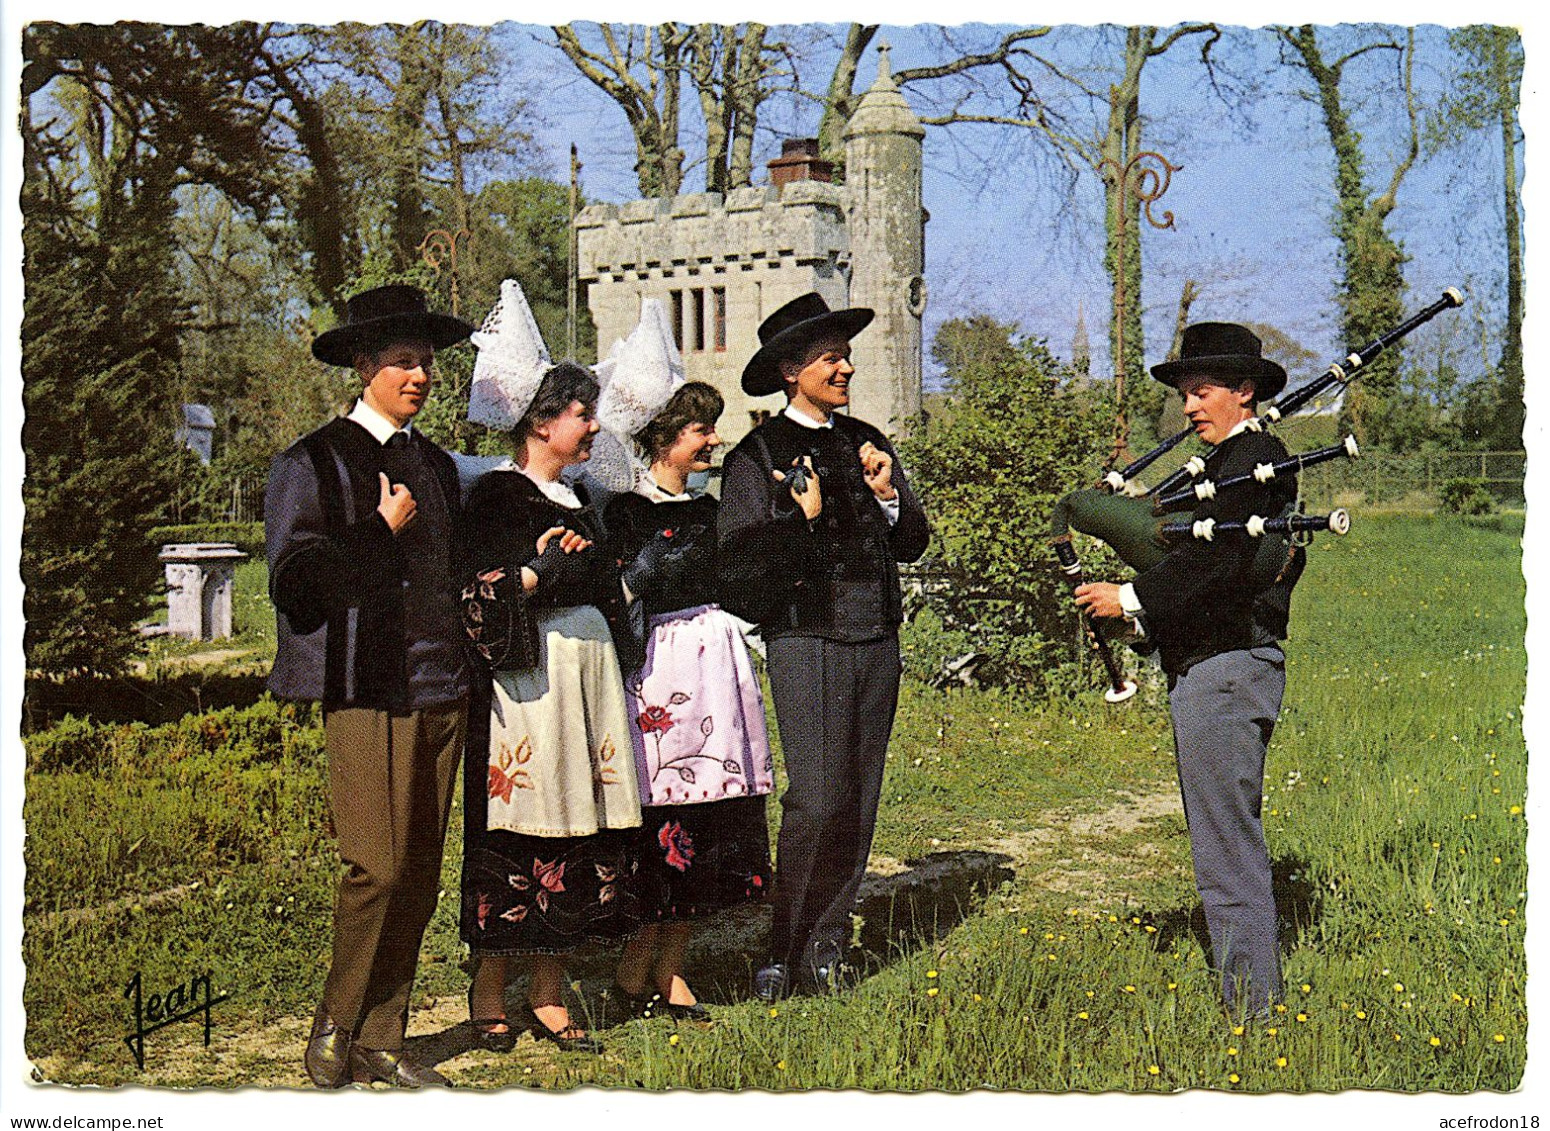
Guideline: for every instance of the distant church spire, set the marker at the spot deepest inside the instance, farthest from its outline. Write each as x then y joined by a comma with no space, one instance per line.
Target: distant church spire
1081,351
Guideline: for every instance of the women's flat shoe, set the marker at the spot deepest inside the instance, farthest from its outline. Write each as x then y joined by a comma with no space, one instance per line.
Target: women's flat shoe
695,1012
485,1031
579,1043
646,1003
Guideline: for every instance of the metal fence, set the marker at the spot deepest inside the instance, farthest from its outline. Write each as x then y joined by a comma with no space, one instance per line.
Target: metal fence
1413,481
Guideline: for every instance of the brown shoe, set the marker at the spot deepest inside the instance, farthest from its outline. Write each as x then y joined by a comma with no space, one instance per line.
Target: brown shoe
328,1052
391,1066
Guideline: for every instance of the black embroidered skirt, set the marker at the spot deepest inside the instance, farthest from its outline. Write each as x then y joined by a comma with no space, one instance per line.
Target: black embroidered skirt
696,859
547,895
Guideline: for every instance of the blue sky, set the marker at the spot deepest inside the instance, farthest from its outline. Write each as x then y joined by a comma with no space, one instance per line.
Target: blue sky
1252,202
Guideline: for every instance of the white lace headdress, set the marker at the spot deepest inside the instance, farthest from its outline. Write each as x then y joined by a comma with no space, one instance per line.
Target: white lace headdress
638,378
511,362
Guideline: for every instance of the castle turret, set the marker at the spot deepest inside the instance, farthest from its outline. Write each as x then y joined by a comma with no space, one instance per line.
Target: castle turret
886,223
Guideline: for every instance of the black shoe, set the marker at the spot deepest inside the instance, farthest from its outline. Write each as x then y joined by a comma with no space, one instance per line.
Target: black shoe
391,1066
485,1031
772,982
835,979
645,1004
696,1012
580,1042
328,1052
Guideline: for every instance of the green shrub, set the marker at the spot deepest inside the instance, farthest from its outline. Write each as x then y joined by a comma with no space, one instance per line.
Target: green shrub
1466,496
1016,433
248,536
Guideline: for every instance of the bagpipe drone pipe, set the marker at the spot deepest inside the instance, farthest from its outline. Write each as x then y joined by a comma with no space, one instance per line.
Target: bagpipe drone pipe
1128,518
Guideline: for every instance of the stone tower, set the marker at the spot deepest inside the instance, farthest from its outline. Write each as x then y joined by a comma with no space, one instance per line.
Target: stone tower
887,250
721,265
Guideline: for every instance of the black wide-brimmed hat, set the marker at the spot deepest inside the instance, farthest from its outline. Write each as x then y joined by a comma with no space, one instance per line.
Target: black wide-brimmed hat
1223,349
790,330
385,314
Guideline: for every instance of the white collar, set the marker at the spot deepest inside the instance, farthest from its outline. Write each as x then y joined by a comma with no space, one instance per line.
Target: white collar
555,490
380,427
648,487
797,416
1241,426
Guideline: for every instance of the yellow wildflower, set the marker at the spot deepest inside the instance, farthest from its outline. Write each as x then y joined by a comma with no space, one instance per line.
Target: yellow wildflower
673,1040
1435,1042
1280,1062
1152,1070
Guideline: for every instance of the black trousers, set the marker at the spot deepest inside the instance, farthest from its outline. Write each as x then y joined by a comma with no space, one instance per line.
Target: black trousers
834,704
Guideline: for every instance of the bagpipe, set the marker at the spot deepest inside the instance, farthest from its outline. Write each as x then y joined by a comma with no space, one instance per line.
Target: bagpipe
1130,519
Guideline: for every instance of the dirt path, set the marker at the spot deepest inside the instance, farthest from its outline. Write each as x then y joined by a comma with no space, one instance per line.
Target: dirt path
1090,856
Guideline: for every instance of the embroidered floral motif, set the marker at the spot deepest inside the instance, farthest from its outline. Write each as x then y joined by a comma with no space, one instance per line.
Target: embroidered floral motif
505,771
486,904
678,845
608,875
515,914
604,774
655,720
549,877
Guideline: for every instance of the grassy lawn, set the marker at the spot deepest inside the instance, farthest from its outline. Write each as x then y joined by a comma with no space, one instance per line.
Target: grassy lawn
1394,814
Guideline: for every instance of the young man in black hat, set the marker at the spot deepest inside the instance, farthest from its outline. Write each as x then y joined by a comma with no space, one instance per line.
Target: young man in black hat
1219,640
815,513
362,523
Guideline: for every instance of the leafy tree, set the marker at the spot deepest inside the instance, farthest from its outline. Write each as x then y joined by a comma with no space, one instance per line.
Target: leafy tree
1485,97
115,120
99,354
1016,433
1371,259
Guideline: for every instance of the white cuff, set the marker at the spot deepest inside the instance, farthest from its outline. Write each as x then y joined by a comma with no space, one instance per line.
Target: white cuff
1129,603
890,508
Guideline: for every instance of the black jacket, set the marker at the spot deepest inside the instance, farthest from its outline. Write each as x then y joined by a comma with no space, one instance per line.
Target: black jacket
1197,600
364,618
836,577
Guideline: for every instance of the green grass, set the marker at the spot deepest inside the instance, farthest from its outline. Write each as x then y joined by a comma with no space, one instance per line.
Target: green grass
1394,792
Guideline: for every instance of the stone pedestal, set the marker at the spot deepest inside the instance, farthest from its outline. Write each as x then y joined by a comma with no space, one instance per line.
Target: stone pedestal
201,577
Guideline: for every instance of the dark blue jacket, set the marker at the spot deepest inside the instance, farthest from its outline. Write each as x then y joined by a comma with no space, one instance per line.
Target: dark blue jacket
365,618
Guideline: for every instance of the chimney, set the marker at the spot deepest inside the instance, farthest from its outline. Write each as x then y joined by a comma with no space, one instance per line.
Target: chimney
799,161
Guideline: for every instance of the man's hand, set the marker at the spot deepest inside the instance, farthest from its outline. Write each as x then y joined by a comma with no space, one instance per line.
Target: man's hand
810,498
877,470
396,505
1100,598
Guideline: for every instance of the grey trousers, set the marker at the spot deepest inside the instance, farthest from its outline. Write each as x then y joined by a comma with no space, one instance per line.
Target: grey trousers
390,786
834,704
1224,710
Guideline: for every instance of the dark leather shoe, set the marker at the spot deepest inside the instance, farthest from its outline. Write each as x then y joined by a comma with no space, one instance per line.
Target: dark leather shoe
695,1012
645,1004
570,1039
391,1066
835,979
328,1052
772,983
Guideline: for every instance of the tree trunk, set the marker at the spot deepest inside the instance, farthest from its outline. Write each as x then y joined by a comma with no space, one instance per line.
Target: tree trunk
1511,414
1370,259
322,201
406,124
1122,227
840,100
745,95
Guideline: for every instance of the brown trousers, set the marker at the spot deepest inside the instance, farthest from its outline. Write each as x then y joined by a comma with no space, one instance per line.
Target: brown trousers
390,779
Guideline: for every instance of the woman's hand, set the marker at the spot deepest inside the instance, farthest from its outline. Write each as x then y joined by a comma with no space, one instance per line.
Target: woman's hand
570,541
810,497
